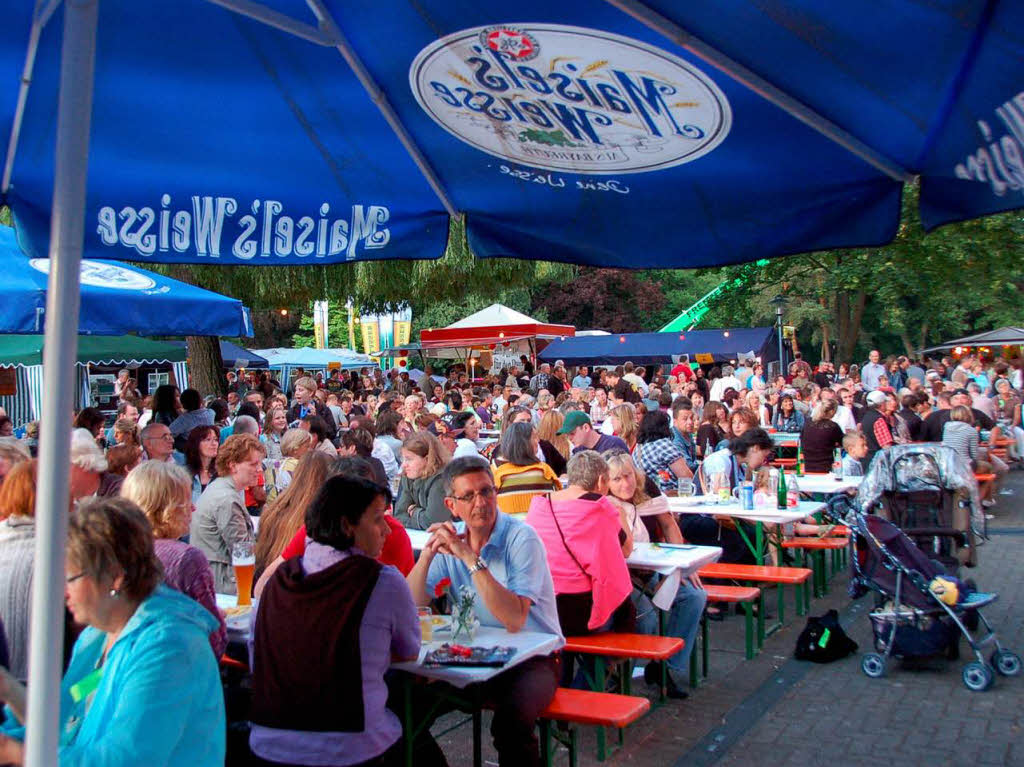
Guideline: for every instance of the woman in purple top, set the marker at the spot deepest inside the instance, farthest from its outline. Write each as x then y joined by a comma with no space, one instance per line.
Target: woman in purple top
338,605
164,493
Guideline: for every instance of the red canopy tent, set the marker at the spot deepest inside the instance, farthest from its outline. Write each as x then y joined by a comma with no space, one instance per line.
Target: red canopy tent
497,325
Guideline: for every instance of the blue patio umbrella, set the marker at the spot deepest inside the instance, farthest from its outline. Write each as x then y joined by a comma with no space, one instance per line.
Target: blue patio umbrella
116,299
657,134
620,133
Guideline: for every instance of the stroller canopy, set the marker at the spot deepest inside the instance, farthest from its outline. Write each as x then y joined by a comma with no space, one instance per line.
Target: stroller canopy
909,468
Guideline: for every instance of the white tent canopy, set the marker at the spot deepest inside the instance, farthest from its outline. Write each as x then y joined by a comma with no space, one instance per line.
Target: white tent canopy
493,316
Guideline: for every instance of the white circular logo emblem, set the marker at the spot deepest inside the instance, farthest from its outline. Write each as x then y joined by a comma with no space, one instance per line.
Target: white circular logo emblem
570,99
100,275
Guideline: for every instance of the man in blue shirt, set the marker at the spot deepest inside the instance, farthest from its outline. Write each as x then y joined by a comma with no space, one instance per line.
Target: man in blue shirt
503,562
683,427
582,380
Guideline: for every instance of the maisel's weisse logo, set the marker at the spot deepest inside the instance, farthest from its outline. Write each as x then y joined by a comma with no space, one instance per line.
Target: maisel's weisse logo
570,99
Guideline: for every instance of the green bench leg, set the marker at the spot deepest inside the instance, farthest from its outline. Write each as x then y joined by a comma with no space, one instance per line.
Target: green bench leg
781,589
760,620
599,670
748,620
705,647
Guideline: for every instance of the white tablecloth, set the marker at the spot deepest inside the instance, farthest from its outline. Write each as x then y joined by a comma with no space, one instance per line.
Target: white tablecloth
673,561
528,644
827,484
768,514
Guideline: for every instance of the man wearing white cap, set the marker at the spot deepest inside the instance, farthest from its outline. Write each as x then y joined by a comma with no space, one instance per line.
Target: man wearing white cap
876,427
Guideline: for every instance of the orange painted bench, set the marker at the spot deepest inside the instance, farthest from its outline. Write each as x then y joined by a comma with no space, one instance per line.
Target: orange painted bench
984,477
636,646
574,707
787,576
623,649
811,543
780,576
744,595
817,548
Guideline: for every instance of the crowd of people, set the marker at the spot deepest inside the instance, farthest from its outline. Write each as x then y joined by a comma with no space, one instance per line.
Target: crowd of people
535,483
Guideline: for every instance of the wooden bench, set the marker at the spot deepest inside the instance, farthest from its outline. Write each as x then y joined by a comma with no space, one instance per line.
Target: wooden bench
575,707
743,595
624,649
816,548
796,577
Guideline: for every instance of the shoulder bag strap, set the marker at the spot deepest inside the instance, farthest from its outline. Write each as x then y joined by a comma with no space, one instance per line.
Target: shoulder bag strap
564,543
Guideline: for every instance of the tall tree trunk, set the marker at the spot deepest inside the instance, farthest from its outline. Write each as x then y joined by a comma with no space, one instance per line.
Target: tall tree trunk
206,366
924,335
908,345
851,323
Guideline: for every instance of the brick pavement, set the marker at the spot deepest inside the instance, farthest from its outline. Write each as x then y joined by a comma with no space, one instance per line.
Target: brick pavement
783,712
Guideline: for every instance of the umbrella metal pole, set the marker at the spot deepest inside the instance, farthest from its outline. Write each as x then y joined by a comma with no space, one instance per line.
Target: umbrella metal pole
60,348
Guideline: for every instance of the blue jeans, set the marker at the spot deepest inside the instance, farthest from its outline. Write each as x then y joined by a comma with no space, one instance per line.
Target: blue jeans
682,621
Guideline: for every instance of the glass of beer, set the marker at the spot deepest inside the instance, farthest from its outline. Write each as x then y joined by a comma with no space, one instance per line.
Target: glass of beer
244,561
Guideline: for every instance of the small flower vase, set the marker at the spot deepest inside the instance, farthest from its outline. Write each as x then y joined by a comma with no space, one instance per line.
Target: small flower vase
464,625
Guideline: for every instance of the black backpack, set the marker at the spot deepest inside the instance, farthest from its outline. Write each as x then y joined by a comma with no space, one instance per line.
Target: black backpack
823,640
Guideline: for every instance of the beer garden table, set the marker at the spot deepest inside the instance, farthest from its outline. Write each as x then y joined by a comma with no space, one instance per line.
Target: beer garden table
759,516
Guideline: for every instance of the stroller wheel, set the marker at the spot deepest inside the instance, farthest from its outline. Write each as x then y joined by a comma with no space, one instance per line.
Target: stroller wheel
873,665
977,677
1006,662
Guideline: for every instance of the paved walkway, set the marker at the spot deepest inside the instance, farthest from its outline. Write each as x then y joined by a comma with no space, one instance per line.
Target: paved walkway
775,710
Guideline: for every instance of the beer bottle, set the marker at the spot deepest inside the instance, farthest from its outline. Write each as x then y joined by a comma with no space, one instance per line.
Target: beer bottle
781,495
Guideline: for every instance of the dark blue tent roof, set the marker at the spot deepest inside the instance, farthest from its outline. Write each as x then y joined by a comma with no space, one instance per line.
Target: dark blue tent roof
235,356
660,348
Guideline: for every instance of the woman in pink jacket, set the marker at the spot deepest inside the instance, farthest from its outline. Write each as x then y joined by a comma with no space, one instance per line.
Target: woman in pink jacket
582,532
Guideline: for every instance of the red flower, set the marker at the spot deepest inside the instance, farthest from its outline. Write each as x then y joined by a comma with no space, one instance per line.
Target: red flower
442,586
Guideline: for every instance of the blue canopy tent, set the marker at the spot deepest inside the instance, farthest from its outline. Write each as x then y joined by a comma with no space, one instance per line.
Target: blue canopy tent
117,299
664,348
622,133
313,360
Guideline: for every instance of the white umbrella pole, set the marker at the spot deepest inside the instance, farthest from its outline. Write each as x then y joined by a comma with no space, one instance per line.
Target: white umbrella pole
60,349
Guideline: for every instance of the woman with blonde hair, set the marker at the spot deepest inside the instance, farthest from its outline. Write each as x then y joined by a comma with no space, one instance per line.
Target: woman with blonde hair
624,424
164,493
421,493
126,432
556,447
275,424
277,472
638,499
284,515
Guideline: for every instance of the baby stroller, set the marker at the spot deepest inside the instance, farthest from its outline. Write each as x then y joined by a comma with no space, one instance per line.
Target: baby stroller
911,619
929,492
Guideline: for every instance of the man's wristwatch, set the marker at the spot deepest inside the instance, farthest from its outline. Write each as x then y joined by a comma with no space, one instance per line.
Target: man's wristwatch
480,564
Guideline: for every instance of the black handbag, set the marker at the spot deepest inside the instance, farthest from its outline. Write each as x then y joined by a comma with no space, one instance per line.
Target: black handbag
823,640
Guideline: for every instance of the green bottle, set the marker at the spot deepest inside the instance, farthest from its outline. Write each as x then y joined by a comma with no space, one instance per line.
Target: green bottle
781,495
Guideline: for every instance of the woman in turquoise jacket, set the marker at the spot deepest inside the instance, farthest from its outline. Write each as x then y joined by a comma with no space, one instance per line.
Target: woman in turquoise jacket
143,686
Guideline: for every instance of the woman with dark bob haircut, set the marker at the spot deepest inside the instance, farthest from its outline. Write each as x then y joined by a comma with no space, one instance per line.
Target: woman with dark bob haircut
142,686
339,605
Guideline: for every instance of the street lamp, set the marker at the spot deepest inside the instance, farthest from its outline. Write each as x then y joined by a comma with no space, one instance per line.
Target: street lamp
780,302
